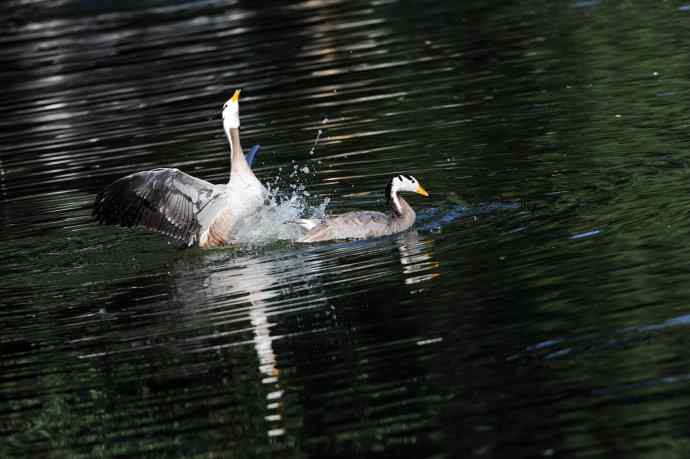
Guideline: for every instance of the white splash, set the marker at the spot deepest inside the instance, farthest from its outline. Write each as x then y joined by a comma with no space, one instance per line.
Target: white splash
277,219
316,141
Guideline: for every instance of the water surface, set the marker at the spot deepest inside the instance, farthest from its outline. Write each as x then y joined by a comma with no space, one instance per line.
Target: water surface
538,308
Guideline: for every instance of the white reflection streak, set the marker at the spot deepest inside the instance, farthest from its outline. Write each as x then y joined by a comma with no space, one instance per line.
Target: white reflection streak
416,257
3,188
255,278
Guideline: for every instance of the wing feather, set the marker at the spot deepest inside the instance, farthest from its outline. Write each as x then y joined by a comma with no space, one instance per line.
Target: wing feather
164,200
351,225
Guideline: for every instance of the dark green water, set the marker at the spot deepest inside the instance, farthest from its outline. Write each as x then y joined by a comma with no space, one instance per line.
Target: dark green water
539,308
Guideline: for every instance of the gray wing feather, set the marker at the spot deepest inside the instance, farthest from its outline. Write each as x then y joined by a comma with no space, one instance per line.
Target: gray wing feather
164,200
352,225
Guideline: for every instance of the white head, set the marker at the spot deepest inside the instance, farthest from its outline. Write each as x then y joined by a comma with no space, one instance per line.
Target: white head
402,183
407,183
231,112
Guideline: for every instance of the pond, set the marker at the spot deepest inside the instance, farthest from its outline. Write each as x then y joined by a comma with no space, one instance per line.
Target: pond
539,307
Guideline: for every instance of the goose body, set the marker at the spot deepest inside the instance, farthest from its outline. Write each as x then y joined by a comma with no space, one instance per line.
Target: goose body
183,207
368,224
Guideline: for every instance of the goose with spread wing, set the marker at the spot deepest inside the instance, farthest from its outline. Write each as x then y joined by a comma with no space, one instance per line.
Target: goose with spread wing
368,224
183,207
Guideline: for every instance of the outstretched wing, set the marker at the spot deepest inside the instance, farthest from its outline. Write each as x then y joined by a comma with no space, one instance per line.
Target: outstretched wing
164,200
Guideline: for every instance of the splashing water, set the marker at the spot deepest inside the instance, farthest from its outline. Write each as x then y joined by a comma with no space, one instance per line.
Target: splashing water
286,203
277,219
318,137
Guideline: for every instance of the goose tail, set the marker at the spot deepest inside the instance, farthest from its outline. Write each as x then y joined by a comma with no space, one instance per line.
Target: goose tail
307,223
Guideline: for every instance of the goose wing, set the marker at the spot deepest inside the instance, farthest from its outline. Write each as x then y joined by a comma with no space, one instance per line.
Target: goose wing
164,200
352,225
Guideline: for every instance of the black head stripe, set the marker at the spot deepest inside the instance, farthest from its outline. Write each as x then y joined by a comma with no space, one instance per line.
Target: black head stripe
410,178
389,197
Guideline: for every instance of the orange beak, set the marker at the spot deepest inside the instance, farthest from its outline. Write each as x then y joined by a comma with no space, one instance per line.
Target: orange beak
236,96
421,191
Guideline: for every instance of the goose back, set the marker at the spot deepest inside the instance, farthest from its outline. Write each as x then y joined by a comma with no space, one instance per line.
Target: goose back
362,225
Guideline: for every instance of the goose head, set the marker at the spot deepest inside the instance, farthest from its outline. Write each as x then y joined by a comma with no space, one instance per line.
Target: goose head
231,112
402,183
406,183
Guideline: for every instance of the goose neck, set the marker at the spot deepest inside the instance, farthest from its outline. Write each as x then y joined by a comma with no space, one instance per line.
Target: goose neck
399,207
235,146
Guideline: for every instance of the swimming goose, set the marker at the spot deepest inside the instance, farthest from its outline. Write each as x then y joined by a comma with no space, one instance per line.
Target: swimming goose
183,207
367,224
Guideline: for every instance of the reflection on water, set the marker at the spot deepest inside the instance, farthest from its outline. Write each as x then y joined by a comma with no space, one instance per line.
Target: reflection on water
247,300
538,308
416,258
257,283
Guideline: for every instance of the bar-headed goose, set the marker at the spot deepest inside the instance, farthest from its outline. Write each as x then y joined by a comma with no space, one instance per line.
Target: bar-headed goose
183,207
367,224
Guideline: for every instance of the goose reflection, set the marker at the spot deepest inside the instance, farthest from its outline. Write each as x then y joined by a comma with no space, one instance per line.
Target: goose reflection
253,286
257,301
417,258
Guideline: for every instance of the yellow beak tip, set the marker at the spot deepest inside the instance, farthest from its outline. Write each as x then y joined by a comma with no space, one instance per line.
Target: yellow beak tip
236,96
422,191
